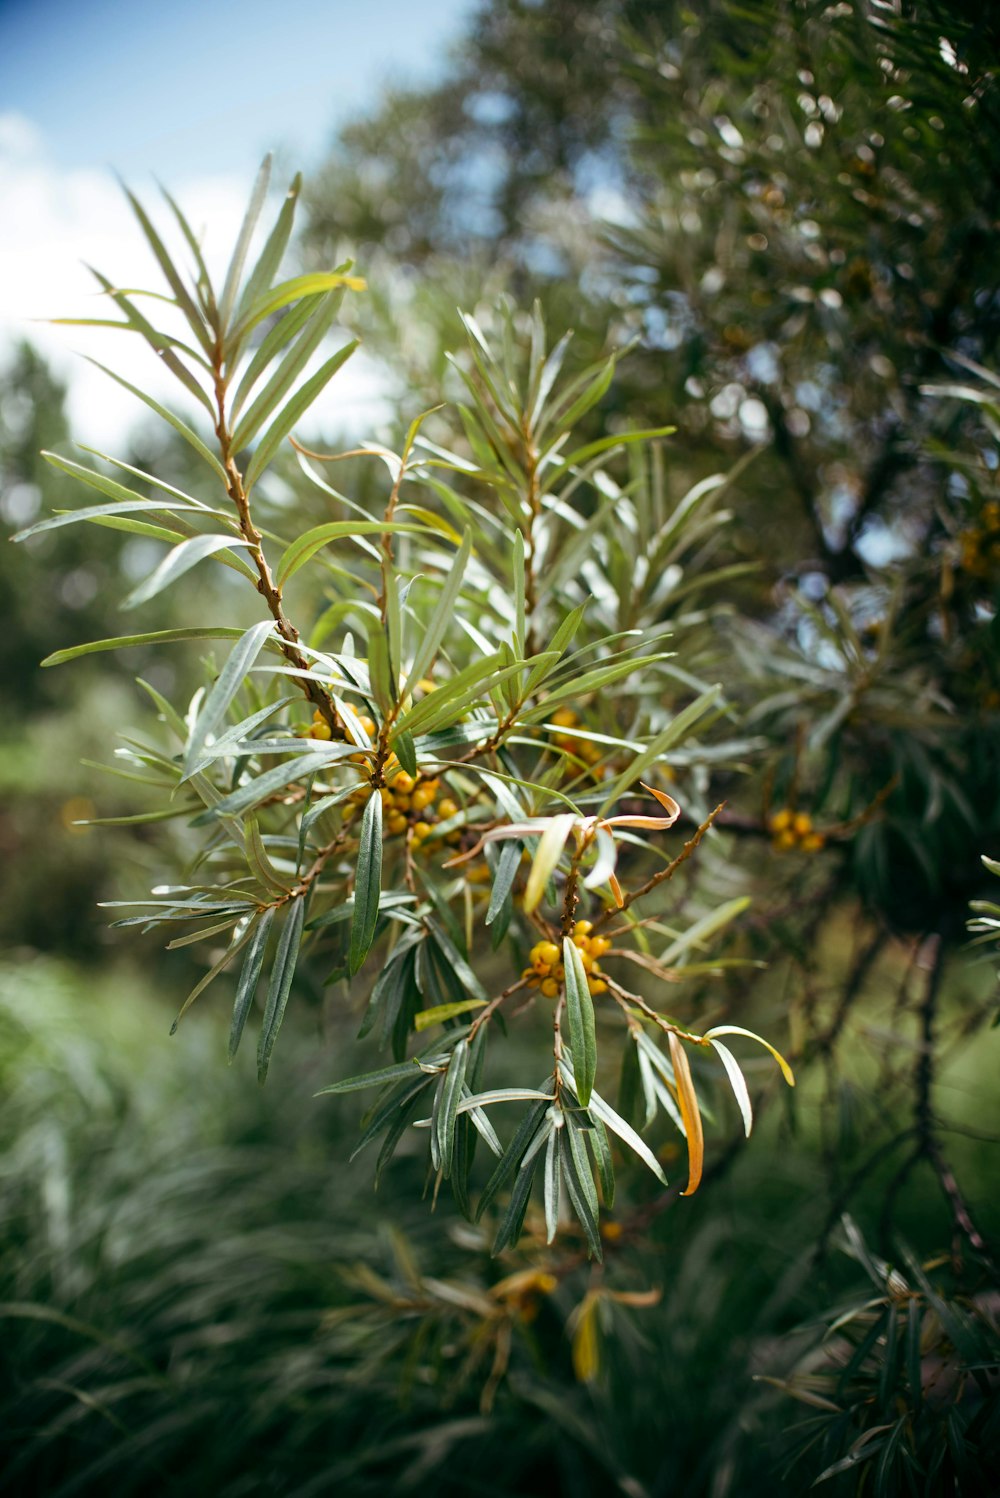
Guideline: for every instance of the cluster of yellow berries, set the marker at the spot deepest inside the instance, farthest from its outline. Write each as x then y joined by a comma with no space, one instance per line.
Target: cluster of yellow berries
407,801
546,971
794,829
981,545
585,749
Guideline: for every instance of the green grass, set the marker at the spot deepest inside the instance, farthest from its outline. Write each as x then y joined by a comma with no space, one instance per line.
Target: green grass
201,1294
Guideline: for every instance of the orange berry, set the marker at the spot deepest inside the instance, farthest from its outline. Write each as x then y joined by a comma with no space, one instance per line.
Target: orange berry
550,988
813,842
803,824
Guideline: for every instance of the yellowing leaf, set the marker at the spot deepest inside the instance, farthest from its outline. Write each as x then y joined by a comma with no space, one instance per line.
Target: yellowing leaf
786,1070
690,1114
586,1348
547,855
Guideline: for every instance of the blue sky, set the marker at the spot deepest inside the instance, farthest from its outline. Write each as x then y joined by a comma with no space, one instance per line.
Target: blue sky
208,84
192,93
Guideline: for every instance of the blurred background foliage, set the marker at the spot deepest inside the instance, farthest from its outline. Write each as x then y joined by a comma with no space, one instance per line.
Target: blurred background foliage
786,211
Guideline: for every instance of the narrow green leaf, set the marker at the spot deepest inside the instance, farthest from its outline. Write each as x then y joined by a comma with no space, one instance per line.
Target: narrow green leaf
287,371
209,977
580,1014
310,542
311,285
96,512
659,746
178,560
264,272
160,345
206,293
279,777
561,641
378,667
440,619
447,1115
454,959
179,426
550,1193
406,753
227,684
249,978
282,974
257,858
367,884
526,1132
600,1147
580,1188
183,298
227,301
404,1070
520,626
156,637
513,1220
508,863
292,410
604,1111
442,1012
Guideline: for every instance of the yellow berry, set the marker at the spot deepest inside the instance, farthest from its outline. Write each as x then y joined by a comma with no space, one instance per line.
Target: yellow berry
781,821
403,784
597,985
785,839
587,962
545,951
813,842
386,796
564,717
402,803
423,795
368,724
447,808
803,823
479,874
550,988
583,928
599,945
396,823
420,830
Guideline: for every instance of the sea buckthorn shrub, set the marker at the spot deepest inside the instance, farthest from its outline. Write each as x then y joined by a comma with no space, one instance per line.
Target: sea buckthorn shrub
445,790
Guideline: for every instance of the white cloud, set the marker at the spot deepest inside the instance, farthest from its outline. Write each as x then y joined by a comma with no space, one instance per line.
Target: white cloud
57,221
